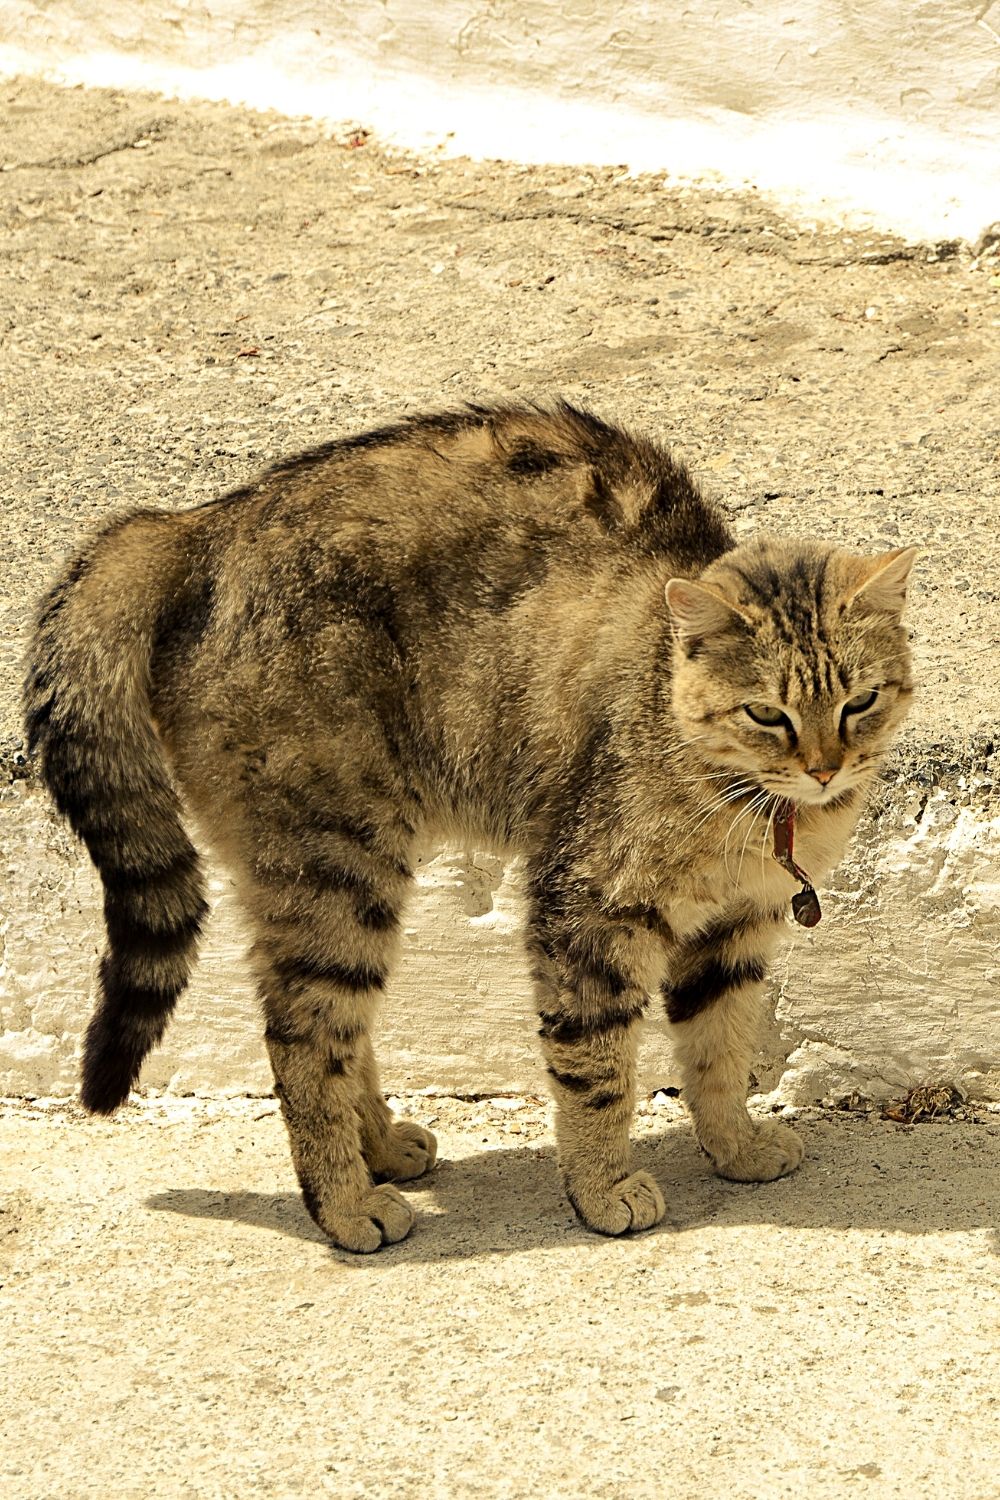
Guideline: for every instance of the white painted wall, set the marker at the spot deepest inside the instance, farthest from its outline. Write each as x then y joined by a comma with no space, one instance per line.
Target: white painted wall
878,111
459,1015
897,986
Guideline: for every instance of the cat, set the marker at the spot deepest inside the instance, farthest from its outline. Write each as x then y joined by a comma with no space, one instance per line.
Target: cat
522,626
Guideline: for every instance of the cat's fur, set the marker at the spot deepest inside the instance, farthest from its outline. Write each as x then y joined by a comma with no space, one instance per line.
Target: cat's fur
458,626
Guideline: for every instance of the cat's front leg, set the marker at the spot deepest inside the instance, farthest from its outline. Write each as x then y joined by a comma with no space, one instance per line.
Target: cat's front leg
589,1007
713,999
395,1150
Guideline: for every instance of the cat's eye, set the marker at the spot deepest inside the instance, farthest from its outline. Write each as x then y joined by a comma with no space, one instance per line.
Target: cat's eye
860,702
766,714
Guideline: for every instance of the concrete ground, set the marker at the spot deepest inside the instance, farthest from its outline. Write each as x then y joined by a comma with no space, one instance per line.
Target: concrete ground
174,1325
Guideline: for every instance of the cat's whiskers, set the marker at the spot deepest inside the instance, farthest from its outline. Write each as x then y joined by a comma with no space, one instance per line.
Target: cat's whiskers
739,788
689,831
712,776
731,794
754,808
749,809
750,831
683,755
767,837
717,805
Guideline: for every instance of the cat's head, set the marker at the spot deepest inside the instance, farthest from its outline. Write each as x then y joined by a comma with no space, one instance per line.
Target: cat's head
792,666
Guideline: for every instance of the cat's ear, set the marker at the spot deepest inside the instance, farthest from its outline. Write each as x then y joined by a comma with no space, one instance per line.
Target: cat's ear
697,610
881,586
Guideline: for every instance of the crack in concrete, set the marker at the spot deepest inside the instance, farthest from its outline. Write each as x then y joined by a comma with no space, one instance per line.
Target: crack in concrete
623,226
777,236
155,130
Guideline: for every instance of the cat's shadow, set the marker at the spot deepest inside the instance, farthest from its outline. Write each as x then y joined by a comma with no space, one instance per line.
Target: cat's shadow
505,1201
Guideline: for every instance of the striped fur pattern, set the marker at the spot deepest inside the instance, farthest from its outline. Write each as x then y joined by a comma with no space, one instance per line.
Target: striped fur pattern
517,626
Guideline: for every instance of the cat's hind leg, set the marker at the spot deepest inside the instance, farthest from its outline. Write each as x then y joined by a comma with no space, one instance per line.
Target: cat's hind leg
325,894
713,1000
318,1012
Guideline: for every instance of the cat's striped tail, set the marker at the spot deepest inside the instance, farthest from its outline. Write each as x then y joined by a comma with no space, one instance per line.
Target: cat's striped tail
88,714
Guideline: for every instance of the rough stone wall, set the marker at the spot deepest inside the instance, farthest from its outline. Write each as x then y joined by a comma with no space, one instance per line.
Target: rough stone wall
458,1017
897,986
912,952
901,61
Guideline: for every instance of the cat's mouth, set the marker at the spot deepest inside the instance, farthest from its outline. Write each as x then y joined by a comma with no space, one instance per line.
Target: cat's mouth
807,793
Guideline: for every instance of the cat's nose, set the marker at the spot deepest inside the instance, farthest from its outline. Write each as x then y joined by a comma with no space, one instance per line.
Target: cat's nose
823,774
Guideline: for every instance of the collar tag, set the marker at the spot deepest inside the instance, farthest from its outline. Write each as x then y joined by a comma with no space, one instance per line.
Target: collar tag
805,903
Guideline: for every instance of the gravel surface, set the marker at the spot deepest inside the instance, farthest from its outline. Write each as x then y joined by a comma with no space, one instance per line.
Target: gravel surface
192,291
174,1324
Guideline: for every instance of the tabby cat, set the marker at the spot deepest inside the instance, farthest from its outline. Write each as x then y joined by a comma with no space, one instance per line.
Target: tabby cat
521,627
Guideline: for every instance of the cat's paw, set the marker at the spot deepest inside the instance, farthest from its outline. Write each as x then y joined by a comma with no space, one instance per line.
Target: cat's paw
772,1151
406,1151
634,1203
381,1217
